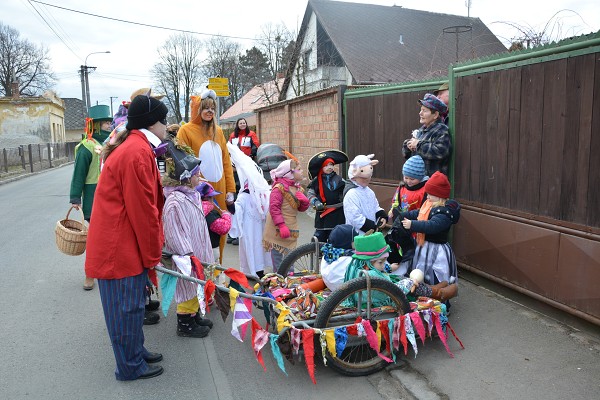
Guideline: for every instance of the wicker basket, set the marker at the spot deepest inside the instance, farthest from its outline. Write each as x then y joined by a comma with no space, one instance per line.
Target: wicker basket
71,235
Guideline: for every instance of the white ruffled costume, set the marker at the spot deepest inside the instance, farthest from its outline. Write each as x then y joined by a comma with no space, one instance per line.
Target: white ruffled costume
250,213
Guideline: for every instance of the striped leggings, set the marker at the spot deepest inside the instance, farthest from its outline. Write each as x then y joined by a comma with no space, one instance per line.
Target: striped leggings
123,301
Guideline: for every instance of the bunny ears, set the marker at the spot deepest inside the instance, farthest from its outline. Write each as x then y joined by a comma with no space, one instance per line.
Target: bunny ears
208,93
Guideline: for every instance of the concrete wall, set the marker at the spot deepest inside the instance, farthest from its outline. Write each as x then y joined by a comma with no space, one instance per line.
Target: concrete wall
27,120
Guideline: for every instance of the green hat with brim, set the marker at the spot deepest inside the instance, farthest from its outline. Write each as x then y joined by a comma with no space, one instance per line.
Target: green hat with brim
369,247
100,113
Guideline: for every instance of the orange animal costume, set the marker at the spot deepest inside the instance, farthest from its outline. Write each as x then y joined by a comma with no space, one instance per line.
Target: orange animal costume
208,142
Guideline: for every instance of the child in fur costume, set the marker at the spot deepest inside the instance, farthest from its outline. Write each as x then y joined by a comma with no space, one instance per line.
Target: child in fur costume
206,138
286,200
361,207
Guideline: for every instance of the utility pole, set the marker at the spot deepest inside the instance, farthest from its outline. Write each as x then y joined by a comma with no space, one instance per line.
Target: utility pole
111,108
83,96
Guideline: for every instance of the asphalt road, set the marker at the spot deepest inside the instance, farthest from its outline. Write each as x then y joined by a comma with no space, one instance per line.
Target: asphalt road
53,337
54,344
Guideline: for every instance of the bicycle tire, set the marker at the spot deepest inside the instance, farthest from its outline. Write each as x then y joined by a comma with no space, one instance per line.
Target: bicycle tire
358,358
301,260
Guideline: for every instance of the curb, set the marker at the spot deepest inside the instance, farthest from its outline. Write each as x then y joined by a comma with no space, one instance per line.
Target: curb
26,175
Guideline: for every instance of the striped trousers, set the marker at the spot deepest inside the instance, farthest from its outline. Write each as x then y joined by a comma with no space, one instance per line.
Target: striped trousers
123,302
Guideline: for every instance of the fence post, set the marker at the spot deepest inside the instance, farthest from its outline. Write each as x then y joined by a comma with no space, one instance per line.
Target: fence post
22,151
30,157
40,156
5,160
49,156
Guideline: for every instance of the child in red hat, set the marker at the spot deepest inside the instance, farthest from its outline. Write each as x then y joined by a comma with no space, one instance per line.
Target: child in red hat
432,222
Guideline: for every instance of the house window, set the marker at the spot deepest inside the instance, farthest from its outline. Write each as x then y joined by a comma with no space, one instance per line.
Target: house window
306,59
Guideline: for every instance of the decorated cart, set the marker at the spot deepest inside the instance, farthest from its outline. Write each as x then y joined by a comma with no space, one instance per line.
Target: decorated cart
357,329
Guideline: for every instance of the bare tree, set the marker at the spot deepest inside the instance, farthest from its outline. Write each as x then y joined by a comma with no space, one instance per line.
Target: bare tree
178,74
224,61
275,42
24,63
555,29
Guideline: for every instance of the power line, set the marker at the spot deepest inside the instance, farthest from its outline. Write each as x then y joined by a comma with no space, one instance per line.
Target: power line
52,29
140,23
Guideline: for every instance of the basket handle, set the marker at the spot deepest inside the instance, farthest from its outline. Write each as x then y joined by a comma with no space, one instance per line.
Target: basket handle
82,216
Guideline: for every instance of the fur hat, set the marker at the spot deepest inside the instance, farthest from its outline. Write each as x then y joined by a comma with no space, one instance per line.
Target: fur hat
438,185
433,103
370,247
414,168
358,166
145,111
136,93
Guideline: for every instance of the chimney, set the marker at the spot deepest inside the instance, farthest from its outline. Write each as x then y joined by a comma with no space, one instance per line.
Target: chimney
14,88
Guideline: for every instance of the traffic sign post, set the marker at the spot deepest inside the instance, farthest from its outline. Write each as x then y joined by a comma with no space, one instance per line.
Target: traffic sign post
220,86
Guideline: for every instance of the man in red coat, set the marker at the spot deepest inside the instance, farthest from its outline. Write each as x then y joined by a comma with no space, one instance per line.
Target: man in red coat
126,238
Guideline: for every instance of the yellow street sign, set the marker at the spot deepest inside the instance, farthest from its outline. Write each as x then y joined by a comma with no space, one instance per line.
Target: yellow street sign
223,93
217,87
218,81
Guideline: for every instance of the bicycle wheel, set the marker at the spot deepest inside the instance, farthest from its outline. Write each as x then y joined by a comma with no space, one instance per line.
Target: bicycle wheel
358,358
303,259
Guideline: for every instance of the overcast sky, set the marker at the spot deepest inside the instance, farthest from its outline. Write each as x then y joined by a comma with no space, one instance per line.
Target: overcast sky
133,47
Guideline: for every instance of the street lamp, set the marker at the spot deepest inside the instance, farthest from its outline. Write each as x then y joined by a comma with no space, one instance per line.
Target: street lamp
86,89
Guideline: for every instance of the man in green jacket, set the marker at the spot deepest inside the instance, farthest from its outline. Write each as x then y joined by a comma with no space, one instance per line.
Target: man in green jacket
87,165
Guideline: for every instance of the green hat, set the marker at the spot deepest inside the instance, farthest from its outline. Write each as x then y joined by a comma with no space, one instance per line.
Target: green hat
100,113
369,247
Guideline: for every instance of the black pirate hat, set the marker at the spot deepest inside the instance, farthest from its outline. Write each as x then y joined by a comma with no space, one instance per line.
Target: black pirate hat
316,161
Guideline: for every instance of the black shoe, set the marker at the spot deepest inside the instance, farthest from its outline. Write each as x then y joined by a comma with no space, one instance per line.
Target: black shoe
153,305
203,321
235,242
229,239
153,370
151,358
187,327
151,318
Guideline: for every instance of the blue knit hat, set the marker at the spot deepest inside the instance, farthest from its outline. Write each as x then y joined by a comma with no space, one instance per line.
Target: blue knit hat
414,167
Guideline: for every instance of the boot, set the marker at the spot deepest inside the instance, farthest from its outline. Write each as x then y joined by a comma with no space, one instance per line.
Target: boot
152,305
187,327
442,291
202,321
88,284
151,318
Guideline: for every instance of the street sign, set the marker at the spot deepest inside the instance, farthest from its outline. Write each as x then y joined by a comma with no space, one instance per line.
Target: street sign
217,87
218,81
220,86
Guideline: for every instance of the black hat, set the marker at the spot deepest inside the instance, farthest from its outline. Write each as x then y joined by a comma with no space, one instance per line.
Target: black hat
145,111
184,165
342,236
316,161
268,157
